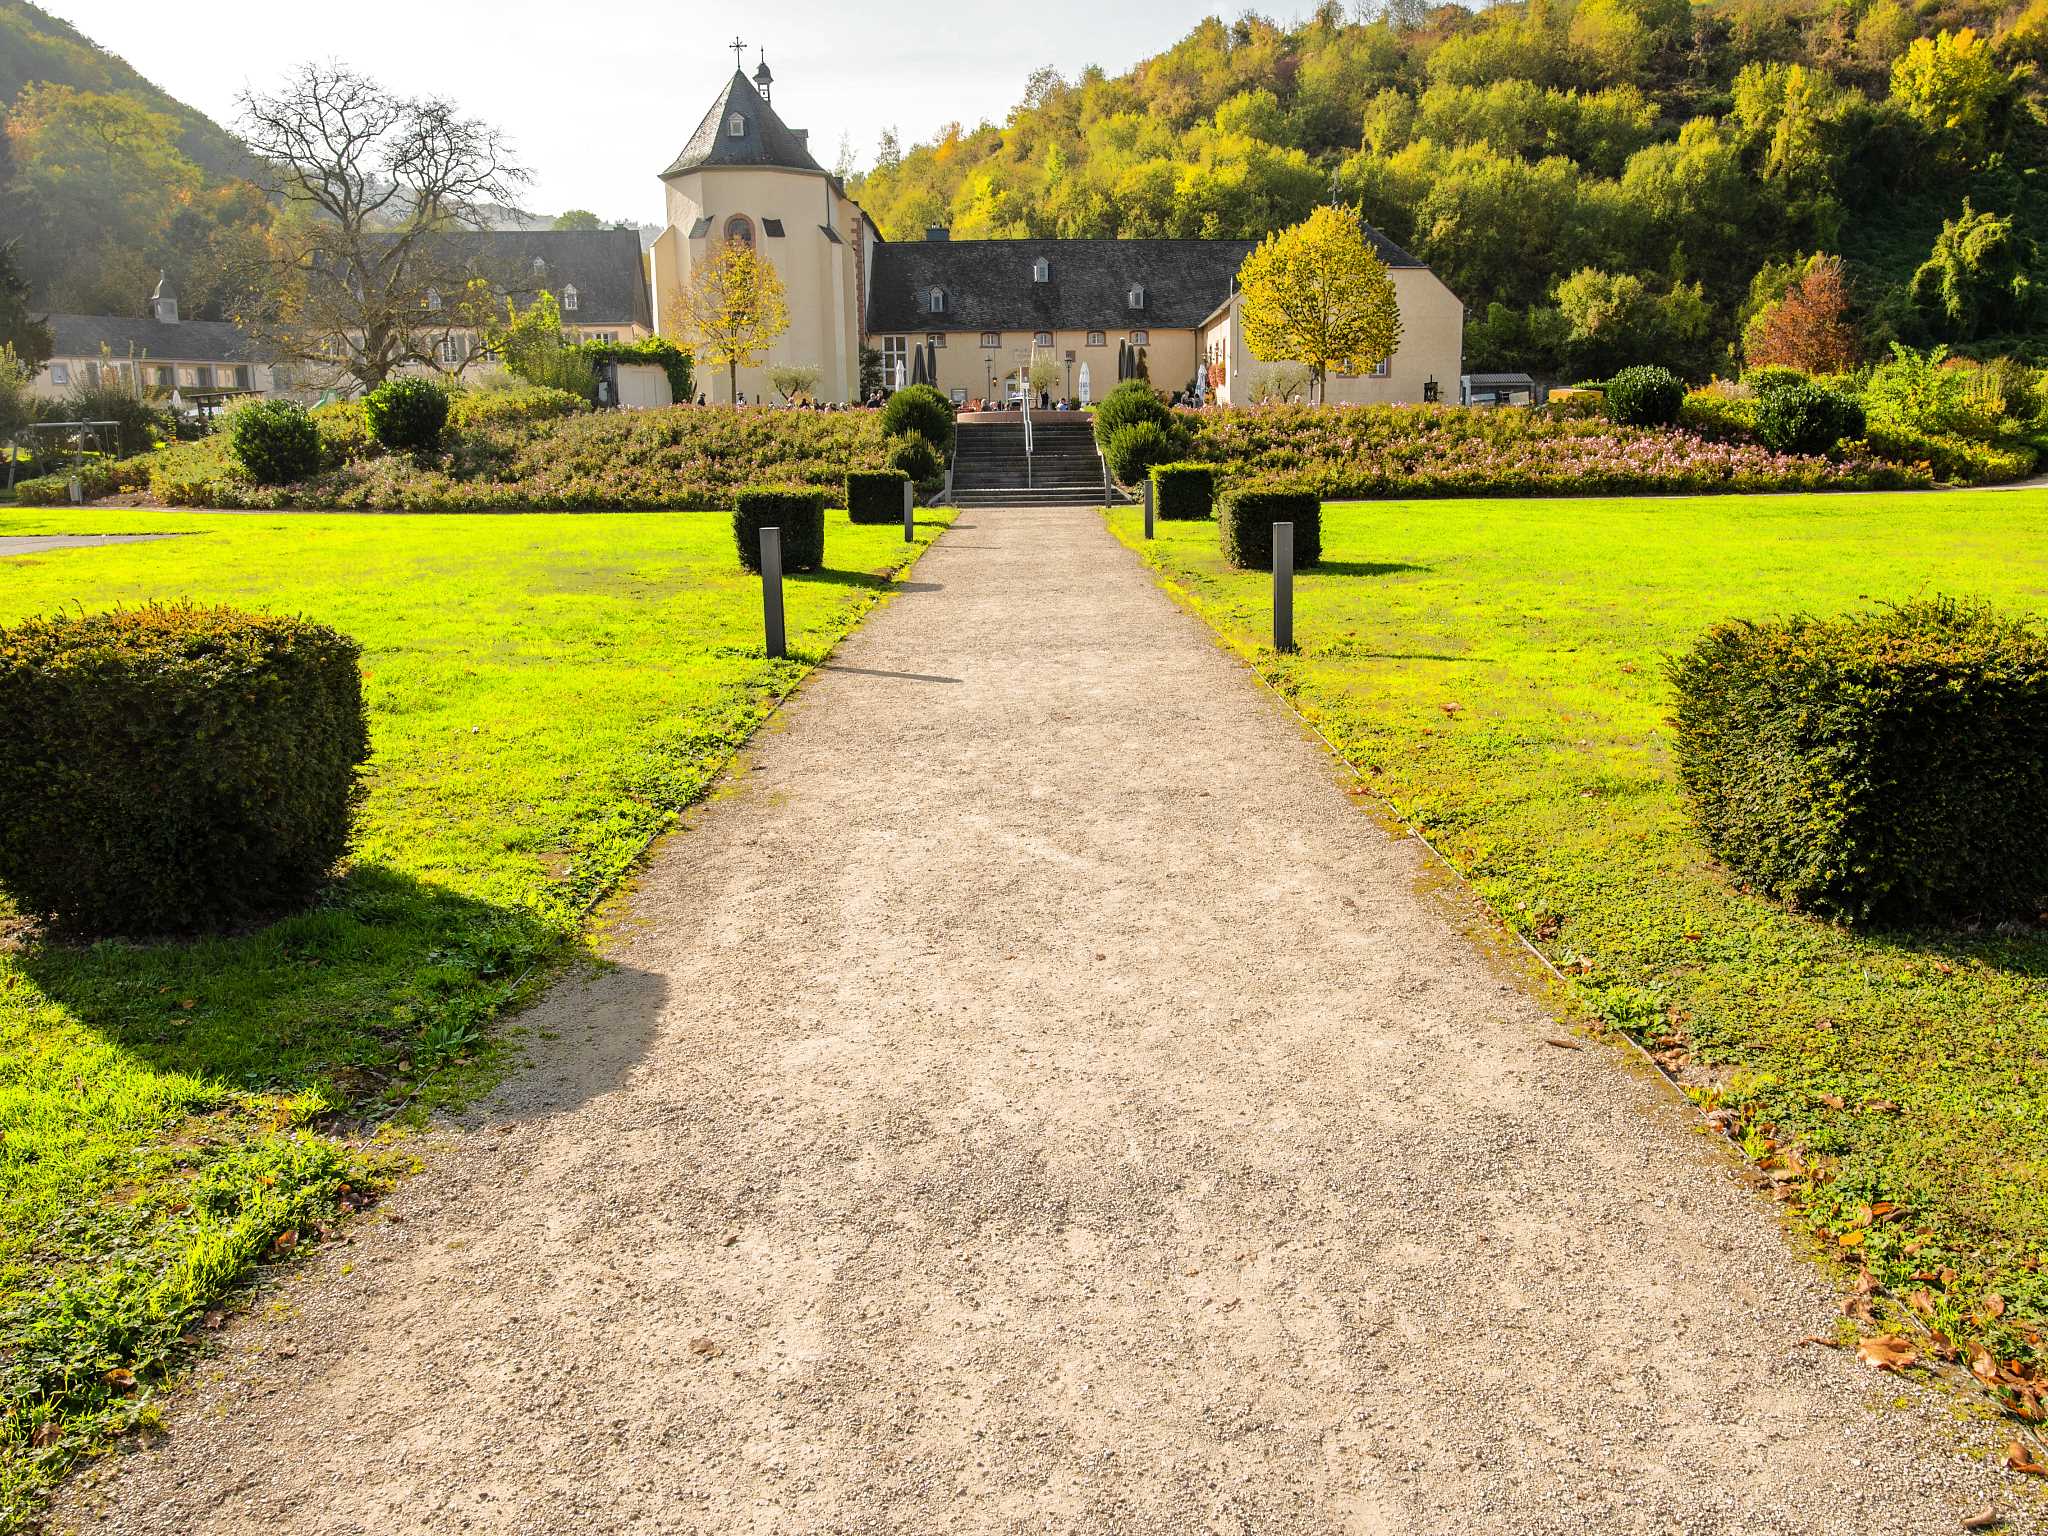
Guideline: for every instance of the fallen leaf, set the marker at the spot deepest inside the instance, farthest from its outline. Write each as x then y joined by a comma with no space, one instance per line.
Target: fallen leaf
709,1349
1886,1352
1562,1045
45,1434
120,1378
1983,1520
2021,1459
1882,1107
1992,1307
1983,1367
213,1319
285,1241
1851,1239
1866,1283
1832,1100
730,1239
188,1003
1817,1338
1922,1301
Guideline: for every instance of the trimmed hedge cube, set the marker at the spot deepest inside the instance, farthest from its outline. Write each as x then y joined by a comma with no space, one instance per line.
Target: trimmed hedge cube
1885,768
175,768
1246,515
799,514
875,495
1184,492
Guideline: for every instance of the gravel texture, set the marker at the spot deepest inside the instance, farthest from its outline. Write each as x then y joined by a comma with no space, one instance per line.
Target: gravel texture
44,543
1035,1098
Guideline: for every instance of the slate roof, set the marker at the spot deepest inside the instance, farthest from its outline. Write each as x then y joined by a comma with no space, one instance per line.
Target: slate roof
988,283
604,265
125,336
766,142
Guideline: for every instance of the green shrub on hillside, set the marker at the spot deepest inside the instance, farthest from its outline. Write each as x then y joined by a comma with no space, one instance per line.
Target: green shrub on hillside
912,454
921,409
799,514
1893,766
1129,403
175,768
407,414
1644,396
344,429
472,409
1952,460
1247,511
1802,417
875,495
1184,492
1711,412
1134,449
275,441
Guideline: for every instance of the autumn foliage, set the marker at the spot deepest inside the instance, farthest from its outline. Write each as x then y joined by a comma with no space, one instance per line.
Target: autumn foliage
1809,328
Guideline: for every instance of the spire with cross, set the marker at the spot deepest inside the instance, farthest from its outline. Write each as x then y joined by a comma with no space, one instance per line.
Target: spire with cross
737,48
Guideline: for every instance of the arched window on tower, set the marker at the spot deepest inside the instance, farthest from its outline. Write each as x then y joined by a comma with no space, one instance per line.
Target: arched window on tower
739,230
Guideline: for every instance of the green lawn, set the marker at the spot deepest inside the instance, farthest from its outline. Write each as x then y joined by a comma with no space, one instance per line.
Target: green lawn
1497,670
546,692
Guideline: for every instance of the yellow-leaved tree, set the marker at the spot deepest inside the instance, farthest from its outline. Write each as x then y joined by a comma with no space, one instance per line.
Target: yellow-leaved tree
733,309
1318,294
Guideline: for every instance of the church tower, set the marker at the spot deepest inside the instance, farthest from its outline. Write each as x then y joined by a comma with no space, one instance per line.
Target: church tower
746,176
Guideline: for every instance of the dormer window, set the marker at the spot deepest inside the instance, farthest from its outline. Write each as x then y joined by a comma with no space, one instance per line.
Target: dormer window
938,301
1138,296
570,298
736,126
1041,271
433,300
540,264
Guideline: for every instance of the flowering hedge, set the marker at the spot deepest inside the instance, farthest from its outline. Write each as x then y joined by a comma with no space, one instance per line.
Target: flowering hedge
691,457
1443,450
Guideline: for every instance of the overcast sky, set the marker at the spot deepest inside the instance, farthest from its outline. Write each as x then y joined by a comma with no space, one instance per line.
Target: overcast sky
599,96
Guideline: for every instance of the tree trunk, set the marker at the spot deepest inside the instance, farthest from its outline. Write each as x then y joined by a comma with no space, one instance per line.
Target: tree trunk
732,382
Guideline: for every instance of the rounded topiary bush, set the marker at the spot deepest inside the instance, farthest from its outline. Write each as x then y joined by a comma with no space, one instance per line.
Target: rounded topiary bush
1247,511
1128,404
1645,396
175,768
1134,449
275,440
912,454
1806,418
799,514
407,415
875,495
1184,492
921,409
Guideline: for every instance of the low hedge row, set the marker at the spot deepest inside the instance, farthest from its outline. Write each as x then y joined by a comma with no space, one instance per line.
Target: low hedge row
1891,767
175,768
875,495
1246,515
1184,492
799,514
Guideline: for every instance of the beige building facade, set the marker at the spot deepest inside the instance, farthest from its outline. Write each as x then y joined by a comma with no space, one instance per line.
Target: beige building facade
979,310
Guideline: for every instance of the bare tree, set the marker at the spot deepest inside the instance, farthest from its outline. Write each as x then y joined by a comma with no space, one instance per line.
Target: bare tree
375,261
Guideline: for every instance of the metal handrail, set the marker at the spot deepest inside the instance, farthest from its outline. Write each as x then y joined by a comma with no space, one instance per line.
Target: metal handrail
1027,432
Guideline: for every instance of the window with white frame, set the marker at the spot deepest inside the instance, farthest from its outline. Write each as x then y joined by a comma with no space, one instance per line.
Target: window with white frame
936,301
936,338
1137,296
570,297
959,397
896,361
1381,368
60,373
1042,339
1097,339
992,340
450,350
433,300
1141,338
540,264
736,126
1041,271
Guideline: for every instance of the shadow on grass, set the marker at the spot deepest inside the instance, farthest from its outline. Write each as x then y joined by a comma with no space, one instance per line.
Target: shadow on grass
1361,568
384,982
829,576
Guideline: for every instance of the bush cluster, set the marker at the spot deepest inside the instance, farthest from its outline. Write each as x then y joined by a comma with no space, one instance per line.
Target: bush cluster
912,454
175,768
275,441
1890,767
921,409
1184,492
875,495
1644,396
1804,417
407,414
799,514
1245,516
1134,448
1130,403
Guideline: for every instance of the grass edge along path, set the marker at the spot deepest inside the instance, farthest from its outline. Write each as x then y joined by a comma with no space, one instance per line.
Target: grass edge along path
1544,786
137,1079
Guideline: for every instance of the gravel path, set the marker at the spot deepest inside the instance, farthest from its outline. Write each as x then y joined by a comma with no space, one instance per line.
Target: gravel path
1037,1099
43,543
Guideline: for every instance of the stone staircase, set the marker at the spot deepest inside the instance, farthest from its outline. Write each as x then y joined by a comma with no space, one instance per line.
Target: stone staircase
989,467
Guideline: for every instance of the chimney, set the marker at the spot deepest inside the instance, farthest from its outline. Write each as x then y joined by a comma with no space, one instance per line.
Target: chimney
937,232
164,302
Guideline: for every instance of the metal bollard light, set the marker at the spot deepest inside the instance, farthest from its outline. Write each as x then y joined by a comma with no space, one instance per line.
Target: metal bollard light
909,511
771,592
1283,586
1148,506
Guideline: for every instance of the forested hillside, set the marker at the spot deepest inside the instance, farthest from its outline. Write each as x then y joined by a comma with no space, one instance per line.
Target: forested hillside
1602,182
105,179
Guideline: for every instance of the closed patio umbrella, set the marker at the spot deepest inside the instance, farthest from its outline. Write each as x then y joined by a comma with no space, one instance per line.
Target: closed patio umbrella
1123,359
917,375
931,363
